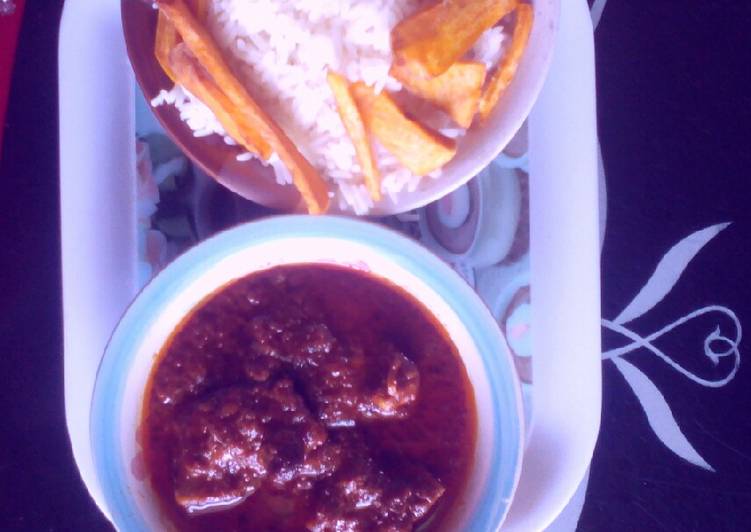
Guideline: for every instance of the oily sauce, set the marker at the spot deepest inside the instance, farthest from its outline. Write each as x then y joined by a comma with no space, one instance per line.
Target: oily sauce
308,397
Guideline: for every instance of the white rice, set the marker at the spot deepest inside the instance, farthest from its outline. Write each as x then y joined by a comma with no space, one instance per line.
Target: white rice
282,50
489,47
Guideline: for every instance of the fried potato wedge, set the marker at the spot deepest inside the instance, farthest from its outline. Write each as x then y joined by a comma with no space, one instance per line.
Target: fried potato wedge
190,74
416,147
165,40
439,35
167,37
201,9
201,44
506,71
269,137
457,91
355,126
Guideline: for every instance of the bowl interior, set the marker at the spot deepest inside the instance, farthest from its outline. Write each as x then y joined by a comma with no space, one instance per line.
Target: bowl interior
256,182
118,395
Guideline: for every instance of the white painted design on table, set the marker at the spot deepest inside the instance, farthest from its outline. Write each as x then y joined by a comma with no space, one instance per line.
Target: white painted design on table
596,11
717,346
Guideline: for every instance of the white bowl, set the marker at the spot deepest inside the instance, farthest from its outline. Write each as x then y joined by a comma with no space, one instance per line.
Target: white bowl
475,150
161,306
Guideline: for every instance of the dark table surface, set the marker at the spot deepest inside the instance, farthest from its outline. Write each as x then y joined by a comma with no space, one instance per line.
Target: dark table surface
674,107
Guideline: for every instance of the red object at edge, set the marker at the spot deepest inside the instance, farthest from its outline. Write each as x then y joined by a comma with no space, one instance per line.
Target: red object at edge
10,25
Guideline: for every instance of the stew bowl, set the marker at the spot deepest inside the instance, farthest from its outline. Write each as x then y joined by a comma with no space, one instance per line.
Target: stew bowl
164,303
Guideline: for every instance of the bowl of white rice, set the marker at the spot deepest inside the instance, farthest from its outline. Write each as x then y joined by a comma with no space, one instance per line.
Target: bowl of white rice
281,50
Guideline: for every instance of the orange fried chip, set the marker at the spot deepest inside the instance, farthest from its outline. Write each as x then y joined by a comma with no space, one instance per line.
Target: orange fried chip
355,127
438,36
507,69
269,136
167,37
190,74
165,40
457,91
415,146
201,9
201,44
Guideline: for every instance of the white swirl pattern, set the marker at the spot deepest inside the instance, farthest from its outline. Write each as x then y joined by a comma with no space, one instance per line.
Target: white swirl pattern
715,336
664,278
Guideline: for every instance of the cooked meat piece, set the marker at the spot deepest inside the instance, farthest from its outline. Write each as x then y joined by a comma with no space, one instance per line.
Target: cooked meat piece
259,368
182,377
412,492
345,383
363,495
291,338
232,439
220,459
354,386
396,389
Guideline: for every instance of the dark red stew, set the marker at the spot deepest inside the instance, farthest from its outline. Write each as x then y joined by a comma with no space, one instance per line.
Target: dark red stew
309,397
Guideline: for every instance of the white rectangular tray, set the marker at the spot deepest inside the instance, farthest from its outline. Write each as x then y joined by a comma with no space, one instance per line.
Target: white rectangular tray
99,244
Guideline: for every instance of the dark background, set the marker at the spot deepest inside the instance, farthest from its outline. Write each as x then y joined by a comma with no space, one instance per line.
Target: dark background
674,111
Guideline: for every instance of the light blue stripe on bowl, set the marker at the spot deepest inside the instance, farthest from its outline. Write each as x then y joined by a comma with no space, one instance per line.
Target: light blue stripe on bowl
107,400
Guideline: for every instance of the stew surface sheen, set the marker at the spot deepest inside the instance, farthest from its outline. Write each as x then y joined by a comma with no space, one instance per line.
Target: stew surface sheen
309,397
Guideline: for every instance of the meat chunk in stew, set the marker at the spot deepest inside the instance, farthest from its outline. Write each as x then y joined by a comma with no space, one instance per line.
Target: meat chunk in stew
363,495
344,381
232,439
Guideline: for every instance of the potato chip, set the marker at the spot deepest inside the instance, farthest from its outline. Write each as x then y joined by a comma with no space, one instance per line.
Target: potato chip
355,127
506,71
416,147
167,37
190,74
203,47
201,9
270,137
457,91
165,40
438,36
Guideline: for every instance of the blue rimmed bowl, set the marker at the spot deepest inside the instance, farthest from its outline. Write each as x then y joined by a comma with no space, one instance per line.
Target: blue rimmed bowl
169,297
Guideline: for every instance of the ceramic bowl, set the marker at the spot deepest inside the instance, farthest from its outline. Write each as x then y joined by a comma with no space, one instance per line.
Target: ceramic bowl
170,296
256,183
